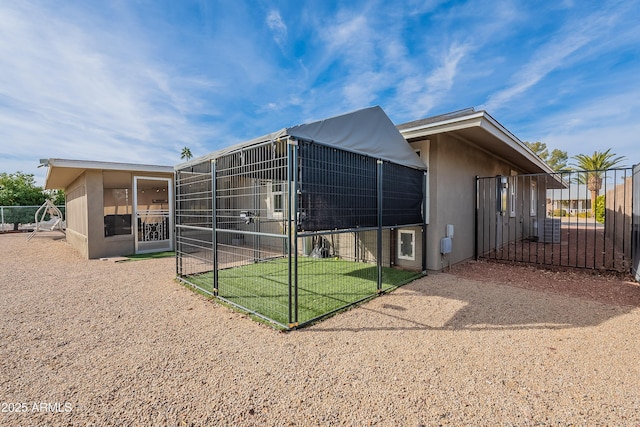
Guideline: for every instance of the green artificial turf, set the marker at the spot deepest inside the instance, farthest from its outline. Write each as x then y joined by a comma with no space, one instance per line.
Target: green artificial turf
324,285
153,255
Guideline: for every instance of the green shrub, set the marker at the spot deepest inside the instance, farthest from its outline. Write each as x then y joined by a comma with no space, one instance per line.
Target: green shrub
600,209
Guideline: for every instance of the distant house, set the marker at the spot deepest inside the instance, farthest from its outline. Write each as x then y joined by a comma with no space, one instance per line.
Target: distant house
457,147
115,209
571,201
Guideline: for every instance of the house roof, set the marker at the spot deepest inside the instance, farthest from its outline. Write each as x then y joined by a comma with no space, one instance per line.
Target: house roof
482,130
62,172
368,131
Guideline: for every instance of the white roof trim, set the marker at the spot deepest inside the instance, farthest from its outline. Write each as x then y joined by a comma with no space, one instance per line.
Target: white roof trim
89,164
477,119
66,170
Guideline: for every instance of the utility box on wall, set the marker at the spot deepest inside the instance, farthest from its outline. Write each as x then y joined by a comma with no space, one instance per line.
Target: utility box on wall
446,244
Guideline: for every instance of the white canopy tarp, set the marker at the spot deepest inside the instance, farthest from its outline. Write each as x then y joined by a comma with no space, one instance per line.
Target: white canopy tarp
368,131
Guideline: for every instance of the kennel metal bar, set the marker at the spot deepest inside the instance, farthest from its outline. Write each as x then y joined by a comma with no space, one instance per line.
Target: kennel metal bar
246,174
635,227
355,230
214,228
379,191
292,172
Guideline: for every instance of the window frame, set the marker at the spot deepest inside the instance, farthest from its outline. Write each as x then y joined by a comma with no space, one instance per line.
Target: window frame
533,202
275,197
513,194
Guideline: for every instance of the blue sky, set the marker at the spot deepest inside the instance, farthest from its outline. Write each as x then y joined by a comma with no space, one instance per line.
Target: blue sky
136,81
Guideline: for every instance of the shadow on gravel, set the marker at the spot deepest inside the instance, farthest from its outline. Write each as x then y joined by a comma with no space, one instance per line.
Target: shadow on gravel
445,302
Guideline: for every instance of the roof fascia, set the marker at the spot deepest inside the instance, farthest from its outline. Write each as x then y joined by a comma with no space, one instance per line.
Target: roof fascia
447,125
514,142
480,119
113,166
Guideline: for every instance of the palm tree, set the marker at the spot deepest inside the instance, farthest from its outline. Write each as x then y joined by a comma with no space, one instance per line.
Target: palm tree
186,154
595,167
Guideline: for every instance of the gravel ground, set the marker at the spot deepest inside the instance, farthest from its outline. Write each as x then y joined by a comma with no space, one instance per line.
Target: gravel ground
104,343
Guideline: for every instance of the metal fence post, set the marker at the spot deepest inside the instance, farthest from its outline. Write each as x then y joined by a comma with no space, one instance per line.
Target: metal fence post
293,194
380,183
214,227
425,194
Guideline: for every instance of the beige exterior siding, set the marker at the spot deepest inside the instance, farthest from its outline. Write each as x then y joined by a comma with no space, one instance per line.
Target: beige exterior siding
90,199
76,206
453,166
76,216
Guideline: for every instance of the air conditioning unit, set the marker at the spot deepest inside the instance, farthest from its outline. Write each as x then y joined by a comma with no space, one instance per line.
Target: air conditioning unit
550,232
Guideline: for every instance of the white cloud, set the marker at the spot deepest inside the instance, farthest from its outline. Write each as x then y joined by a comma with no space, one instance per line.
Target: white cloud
443,76
65,93
420,91
277,26
561,51
598,124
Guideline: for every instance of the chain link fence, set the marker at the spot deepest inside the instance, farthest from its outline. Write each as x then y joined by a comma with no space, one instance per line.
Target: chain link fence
20,218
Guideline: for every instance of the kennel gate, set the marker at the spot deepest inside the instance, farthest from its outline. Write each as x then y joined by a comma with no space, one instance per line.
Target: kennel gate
558,220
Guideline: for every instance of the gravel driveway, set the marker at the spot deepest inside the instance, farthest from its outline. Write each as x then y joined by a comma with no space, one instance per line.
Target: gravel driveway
104,343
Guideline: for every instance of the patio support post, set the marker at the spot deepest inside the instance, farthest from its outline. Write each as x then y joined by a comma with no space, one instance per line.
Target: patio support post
380,218
214,233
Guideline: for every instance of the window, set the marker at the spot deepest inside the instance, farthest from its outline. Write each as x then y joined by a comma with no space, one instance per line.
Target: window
406,245
513,191
533,207
275,200
276,191
502,187
117,211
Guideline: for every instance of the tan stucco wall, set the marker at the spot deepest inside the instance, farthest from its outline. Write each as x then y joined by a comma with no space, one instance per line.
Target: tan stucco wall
85,213
453,166
76,216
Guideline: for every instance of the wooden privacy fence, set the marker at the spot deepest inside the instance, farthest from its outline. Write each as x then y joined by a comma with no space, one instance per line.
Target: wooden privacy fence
582,219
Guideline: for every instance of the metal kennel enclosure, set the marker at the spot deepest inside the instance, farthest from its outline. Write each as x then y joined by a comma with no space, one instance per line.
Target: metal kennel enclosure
303,222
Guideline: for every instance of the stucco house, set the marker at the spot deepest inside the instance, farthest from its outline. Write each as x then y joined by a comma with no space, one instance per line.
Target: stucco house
115,209
118,208
458,147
